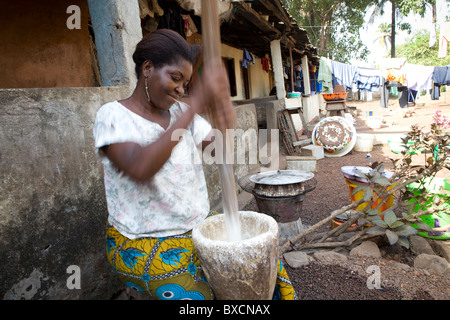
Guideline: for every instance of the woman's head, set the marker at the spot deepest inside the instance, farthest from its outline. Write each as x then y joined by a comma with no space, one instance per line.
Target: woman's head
161,47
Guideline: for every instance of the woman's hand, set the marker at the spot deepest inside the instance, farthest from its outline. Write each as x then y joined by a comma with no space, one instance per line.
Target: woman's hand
212,94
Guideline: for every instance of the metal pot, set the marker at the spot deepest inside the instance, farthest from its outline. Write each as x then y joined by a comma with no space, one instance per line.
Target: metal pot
280,193
281,183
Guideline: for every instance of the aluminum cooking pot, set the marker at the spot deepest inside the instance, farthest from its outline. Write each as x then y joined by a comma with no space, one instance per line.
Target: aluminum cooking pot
282,183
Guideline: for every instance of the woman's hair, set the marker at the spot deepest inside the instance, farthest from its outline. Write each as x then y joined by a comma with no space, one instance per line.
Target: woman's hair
161,47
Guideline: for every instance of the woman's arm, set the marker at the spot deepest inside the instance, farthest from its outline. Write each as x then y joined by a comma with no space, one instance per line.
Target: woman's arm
142,163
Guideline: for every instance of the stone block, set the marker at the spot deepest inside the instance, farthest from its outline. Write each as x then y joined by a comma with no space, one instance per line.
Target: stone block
313,151
301,163
296,259
420,245
432,263
366,249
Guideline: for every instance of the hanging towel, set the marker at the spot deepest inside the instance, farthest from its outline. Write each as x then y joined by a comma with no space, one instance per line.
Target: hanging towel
325,76
368,79
344,73
418,77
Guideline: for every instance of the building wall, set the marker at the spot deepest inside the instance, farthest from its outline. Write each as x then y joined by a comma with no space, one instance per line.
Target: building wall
260,81
38,50
53,209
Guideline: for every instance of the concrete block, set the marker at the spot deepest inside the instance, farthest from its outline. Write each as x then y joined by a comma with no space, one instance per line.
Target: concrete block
313,151
301,163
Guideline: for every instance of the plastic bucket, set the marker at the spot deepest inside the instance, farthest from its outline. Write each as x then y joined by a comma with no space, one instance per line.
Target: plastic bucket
437,220
360,194
374,122
364,142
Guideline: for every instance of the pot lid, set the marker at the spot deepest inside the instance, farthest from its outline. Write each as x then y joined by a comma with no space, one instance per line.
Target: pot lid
281,177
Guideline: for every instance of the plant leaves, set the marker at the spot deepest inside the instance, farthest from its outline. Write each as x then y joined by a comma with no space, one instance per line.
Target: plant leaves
406,231
357,189
376,231
424,226
390,217
372,212
392,237
380,223
381,180
367,194
396,224
403,241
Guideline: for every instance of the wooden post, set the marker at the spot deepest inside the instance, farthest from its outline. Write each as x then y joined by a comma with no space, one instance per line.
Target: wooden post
292,70
306,79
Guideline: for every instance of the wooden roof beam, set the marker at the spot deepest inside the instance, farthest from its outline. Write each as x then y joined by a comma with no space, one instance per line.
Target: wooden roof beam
244,10
277,11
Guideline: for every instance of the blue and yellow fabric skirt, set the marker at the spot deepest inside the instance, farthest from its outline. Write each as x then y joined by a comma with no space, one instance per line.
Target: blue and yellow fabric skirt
168,268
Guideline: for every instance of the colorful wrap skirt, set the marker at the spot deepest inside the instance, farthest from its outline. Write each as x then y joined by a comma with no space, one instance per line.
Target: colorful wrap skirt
168,268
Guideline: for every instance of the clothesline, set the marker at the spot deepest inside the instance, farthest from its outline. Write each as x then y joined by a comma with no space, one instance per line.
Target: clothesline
414,77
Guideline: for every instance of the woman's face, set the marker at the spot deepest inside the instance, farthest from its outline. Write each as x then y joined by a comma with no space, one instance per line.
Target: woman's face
166,84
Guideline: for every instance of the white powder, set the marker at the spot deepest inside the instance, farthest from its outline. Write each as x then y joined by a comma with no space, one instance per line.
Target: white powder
229,197
230,204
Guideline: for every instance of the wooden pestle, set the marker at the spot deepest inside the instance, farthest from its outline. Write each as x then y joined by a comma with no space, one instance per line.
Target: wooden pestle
212,52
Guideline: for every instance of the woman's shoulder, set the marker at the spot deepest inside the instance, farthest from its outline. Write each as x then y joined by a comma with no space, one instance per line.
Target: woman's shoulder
113,106
112,109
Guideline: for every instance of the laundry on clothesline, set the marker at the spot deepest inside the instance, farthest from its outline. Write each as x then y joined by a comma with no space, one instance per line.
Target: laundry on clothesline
368,79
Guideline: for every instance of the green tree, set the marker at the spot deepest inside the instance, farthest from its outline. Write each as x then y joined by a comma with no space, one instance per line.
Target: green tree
417,51
402,8
397,10
384,36
332,25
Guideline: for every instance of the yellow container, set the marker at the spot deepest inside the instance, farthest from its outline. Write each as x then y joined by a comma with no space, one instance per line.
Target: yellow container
360,194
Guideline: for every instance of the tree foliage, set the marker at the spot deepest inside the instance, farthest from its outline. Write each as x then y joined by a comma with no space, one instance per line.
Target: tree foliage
333,26
417,51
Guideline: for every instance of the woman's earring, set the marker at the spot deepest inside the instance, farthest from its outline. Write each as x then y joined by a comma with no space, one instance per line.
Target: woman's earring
146,88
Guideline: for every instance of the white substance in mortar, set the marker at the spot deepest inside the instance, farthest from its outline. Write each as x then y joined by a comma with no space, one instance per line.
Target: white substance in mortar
230,203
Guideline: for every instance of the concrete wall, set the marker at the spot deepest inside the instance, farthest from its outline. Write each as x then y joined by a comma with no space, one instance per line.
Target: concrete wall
52,206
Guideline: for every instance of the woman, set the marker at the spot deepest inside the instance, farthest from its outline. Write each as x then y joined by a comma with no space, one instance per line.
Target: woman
155,186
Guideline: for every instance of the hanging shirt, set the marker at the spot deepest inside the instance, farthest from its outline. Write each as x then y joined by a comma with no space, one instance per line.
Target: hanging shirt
344,73
324,76
247,57
441,75
175,199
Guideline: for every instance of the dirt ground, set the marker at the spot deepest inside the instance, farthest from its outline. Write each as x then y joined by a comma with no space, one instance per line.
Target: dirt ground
348,280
